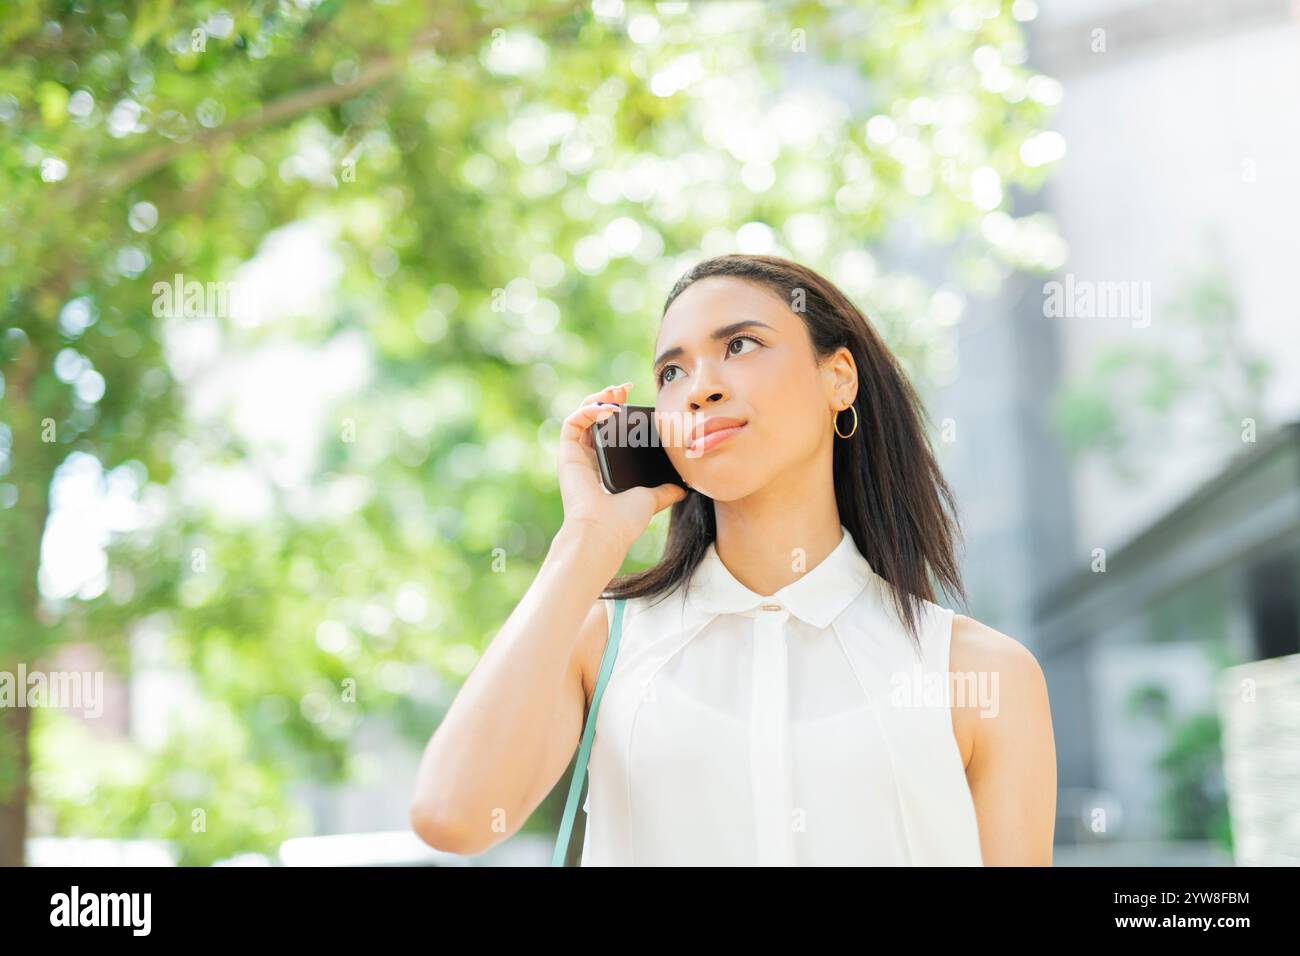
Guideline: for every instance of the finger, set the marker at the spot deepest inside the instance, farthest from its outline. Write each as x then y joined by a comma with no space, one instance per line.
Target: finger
579,423
614,393
667,495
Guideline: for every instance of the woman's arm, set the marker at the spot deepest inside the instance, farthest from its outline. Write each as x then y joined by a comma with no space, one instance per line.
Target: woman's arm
1012,770
516,722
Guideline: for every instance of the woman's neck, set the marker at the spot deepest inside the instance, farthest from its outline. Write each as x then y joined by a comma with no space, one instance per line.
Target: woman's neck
773,537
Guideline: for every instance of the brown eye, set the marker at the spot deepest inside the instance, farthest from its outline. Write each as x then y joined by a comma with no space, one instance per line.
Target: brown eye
663,373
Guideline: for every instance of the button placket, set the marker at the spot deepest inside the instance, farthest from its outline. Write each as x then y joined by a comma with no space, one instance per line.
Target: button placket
769,744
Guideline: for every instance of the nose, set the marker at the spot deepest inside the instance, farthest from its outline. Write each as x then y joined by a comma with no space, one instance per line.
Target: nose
674,426
706,394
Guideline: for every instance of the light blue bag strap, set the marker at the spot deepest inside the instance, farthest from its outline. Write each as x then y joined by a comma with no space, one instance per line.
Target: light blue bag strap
584,750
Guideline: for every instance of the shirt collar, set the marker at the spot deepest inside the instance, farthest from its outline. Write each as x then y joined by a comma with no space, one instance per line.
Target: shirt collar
817,597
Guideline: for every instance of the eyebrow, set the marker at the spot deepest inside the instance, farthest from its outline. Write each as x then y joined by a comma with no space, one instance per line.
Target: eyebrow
717,335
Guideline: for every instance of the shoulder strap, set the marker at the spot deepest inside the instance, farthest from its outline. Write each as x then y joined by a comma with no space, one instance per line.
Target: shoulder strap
584,750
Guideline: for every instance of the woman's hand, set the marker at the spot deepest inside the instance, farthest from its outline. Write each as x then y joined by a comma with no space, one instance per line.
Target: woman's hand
586,501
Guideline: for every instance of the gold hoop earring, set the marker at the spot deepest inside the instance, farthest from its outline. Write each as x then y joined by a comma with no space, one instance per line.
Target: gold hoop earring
835,422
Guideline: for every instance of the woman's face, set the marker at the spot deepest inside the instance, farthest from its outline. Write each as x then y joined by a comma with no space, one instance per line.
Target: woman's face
763,374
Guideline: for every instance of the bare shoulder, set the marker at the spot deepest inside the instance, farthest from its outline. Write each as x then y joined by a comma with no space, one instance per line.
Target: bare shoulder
978,647
1011,768
1006,680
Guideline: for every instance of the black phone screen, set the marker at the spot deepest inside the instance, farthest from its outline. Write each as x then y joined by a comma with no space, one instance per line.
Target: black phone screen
629,450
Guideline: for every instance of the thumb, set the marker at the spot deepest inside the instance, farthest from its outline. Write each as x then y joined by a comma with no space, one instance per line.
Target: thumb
668,494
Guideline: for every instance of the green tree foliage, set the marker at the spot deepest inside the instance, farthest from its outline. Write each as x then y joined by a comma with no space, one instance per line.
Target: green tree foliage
509,189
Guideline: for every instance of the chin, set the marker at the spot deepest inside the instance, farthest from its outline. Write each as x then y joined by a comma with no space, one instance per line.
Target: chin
729,482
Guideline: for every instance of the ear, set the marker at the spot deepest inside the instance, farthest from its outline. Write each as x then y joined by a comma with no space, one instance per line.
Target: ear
840,378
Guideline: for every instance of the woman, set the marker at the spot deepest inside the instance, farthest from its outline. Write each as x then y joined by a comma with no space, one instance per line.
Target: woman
785,692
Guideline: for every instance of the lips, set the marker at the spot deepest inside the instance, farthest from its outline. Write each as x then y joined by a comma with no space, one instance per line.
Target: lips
719,427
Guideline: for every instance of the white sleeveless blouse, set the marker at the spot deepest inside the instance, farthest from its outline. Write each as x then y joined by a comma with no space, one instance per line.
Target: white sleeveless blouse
799,729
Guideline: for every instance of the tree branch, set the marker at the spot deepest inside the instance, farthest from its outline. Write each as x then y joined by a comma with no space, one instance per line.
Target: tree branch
287,107
296,104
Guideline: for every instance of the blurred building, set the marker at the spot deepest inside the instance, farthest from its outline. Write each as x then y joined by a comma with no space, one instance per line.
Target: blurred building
1137,586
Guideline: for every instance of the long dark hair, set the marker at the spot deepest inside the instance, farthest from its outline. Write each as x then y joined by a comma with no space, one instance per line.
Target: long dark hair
889,490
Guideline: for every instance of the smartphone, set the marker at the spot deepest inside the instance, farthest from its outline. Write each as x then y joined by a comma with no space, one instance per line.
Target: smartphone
630,452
